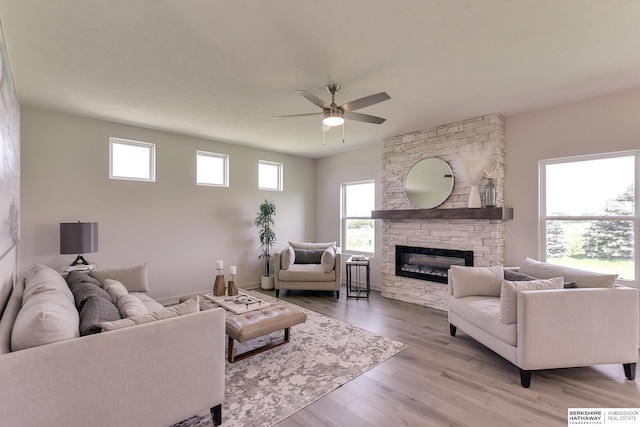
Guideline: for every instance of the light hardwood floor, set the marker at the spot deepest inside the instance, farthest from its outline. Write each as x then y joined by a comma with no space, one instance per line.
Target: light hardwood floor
448,381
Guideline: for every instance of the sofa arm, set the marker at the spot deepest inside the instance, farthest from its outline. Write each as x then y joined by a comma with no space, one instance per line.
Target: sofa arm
577,327
141,375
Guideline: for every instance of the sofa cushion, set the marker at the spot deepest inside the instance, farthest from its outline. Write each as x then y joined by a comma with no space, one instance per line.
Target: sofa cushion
485,313
509,290
114,289
96,310
288,257
308,256
135,279
41,278
582,278
483,281
299,245
328,259
191,305
149,303
129,306
306,273
45,317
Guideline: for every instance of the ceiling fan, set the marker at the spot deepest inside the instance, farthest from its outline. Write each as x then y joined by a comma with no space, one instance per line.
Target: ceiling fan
334,114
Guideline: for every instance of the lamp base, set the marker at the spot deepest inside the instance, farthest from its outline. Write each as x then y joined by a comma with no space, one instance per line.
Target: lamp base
80,261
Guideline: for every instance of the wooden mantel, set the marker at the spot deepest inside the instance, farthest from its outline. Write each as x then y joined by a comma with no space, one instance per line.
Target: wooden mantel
458,213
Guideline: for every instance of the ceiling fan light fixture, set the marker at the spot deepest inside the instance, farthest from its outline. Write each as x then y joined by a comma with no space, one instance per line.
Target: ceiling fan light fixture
333,118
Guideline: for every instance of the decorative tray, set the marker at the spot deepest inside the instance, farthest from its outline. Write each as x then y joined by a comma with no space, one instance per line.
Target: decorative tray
238,304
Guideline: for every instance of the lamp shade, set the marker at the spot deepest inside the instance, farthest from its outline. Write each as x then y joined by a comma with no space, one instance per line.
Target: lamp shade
78,237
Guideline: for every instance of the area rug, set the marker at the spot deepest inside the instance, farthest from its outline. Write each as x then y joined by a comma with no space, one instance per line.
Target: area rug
323,354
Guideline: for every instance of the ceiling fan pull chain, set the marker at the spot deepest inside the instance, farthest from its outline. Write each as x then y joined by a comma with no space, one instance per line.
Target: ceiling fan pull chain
323,133
343,126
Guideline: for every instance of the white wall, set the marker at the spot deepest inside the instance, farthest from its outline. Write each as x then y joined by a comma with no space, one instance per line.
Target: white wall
600,125
178,228
332,171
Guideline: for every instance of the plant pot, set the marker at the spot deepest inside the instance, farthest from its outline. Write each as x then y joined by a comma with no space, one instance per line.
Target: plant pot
267,283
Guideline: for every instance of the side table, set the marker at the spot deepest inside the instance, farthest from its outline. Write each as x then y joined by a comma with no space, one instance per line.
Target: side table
356,288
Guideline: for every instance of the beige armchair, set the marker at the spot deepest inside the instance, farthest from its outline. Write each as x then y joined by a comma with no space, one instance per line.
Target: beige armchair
308,266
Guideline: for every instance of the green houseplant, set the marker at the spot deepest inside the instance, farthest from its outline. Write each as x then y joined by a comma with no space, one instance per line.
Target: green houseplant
265,221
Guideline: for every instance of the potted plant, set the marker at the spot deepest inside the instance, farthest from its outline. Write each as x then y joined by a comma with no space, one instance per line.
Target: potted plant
265,221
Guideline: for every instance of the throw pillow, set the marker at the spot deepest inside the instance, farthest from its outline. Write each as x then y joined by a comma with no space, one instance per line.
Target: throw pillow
135,279
96,310
114,289
516,276
129,306
582,278
298,245
42,278
84,290
509,290
77,277
485,281
288,258
45,318
191,305
308,256
328,259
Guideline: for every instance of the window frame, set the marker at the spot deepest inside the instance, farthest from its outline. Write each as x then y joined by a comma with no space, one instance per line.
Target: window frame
280,168
344,218
635,218
152,159
225,168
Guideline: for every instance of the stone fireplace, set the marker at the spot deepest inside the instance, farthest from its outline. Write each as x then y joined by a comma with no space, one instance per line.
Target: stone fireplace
484,236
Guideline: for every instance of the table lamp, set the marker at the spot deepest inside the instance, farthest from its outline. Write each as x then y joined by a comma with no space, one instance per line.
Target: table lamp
79,238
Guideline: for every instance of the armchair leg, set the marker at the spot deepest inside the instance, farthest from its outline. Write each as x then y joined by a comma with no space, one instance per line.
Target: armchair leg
216,414
337,294
525,378
630,371
277,293
452,330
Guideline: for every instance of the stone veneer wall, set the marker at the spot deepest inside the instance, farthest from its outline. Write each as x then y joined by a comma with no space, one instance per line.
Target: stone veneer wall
484,237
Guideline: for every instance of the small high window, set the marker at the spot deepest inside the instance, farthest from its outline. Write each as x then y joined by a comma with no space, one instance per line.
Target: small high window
212,169
132,160
269,175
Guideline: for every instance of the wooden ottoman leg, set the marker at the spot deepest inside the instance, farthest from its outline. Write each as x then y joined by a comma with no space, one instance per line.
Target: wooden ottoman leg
230,350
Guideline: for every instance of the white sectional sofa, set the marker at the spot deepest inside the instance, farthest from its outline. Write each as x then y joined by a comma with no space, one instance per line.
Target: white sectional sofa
527,316
165,367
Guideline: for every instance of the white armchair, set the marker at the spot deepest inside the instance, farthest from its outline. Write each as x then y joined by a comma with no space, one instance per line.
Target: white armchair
308,266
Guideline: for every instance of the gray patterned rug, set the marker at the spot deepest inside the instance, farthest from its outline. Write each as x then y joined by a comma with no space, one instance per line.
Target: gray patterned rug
323,354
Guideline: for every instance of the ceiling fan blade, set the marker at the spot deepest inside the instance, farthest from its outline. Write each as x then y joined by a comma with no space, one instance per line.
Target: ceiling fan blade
319,102
365,102
364,118
297,115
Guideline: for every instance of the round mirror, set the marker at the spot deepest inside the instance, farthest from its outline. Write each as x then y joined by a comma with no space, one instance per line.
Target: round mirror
429,183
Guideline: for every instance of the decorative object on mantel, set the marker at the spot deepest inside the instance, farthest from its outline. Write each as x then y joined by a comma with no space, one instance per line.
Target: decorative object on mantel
470,166
492,173
218,284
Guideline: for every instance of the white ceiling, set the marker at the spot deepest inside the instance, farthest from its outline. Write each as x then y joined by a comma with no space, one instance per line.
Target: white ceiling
221,69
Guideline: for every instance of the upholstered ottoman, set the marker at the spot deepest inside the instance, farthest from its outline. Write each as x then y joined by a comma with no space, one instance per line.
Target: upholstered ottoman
254,324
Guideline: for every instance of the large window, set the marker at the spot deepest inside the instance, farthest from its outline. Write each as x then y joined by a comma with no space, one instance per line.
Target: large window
269,175
132,160
589,213
358,232
212,169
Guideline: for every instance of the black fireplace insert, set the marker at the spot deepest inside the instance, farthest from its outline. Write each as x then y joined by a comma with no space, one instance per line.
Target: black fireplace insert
429,263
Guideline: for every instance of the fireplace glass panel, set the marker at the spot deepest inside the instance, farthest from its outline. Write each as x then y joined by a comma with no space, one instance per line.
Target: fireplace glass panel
429,263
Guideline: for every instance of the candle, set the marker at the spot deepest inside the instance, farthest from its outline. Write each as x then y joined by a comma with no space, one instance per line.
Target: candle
232,269
219,265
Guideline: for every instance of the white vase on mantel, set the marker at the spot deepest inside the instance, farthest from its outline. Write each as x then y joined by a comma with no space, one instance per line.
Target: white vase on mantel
474,197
